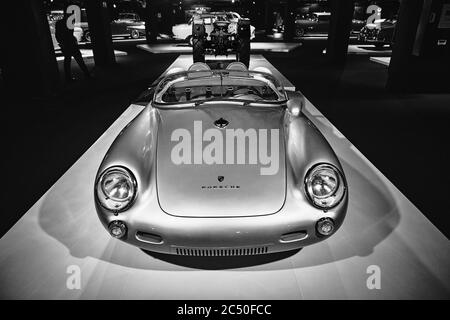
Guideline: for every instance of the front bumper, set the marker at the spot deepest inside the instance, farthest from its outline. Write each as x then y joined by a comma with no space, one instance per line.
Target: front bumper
293,227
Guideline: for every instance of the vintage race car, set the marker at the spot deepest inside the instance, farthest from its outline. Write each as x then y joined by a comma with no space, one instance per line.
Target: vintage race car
127,25
379,33
184,31
319,23
220,163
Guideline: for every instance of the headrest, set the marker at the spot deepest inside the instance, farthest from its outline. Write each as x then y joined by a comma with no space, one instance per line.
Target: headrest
199,66
238,66
262,69
199,69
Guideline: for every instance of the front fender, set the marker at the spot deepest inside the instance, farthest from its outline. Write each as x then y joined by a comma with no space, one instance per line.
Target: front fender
135,148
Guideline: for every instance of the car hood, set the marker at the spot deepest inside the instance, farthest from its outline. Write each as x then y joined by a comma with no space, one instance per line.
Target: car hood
198,176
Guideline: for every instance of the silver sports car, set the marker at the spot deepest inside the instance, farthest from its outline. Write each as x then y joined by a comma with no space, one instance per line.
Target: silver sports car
221,163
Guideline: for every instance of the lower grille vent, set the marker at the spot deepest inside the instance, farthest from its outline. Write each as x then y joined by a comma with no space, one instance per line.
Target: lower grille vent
221,252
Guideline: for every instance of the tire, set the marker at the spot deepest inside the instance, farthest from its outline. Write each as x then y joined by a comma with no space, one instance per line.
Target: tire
198,50
243,51
198,31
87,36
189,40
299,32
134,34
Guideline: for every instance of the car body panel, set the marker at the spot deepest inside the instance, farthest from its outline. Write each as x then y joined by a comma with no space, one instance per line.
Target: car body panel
244,191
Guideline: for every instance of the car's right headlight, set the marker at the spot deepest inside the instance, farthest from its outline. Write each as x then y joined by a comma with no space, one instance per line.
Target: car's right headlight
325,186
116,188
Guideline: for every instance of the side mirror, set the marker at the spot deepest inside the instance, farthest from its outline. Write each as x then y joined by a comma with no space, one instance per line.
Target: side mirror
295,105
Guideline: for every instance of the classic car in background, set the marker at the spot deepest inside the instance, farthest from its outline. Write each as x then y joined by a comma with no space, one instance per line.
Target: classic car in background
127,25
215,33
319,22
184,31
260,177
357,25
379,33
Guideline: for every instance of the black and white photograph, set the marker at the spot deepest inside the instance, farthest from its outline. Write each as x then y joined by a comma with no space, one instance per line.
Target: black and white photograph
223,155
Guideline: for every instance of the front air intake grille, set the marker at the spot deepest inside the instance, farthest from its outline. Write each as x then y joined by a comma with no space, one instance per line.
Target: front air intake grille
221,252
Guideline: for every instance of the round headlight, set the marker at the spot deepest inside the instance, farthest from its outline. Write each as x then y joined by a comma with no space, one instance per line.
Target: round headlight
325,186
116,188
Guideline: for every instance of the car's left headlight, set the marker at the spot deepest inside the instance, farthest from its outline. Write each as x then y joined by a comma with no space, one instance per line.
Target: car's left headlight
325,186
116,188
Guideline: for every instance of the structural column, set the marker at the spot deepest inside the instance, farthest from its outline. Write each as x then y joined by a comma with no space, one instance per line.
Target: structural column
100,28
415,63
289,24
151,22
268,17
339,30
28,58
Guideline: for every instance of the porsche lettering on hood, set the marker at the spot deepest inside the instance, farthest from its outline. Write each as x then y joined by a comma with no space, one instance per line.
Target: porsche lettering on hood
192,153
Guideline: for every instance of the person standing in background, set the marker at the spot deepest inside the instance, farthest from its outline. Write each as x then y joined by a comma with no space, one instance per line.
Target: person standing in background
69,47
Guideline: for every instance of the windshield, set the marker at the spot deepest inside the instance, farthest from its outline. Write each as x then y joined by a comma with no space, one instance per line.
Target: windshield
225,85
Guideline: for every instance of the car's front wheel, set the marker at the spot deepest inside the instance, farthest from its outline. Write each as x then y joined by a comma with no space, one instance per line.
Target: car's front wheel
189,40
134,34
299,32
87,36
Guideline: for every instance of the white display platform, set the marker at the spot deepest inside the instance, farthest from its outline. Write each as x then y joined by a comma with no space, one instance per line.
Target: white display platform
88,53
386,61
369,50
185,48
382,228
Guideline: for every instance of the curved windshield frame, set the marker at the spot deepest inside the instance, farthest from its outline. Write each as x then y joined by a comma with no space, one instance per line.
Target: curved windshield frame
192,88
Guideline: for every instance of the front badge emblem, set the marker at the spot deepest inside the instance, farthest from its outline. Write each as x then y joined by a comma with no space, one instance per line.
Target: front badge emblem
221,123
220,178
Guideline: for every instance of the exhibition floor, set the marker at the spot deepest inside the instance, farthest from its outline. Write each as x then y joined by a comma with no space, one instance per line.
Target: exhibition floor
383,229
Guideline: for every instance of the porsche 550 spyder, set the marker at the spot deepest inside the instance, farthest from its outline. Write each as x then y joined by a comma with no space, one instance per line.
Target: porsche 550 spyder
221,163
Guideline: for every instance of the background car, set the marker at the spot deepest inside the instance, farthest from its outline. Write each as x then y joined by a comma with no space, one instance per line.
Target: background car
357,25
184,31
319,23
216,34
379,33
127,25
